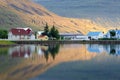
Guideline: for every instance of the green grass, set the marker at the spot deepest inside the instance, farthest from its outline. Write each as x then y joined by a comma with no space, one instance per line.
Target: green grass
6,42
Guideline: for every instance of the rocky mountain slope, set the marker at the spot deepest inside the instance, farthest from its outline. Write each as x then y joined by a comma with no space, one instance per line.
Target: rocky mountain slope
25,13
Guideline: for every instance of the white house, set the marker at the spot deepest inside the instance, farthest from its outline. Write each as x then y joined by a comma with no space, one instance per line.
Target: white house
116,34
95,35
21,34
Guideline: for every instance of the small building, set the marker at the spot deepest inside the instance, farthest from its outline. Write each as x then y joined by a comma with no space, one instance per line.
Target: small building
69,36
21,34
81,38
41,37
95,35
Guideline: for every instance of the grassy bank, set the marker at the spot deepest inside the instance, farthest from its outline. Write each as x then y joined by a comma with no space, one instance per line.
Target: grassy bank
2,43
10,43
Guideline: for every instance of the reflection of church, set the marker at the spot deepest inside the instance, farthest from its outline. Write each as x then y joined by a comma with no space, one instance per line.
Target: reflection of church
22,51
111,49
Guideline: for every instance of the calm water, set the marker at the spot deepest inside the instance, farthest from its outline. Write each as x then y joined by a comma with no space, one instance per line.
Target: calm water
60,62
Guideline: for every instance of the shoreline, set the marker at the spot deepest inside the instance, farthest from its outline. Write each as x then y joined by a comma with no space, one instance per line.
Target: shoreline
51,42
68,42
6,43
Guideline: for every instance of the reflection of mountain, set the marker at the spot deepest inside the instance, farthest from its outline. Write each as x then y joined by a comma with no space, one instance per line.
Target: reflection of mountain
36,65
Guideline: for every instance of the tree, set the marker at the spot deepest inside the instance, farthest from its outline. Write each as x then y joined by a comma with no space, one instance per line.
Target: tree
46,30
112,33
3,34
89,38
54,33
57,36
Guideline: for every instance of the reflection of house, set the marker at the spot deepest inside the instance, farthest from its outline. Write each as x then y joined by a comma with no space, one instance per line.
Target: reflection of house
41,37
21,33
113,49
22,51
95,48
95,35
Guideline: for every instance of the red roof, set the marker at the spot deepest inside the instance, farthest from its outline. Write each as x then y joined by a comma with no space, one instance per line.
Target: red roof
21,31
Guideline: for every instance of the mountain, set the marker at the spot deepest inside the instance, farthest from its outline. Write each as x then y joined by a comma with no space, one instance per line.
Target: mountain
26,13
103,12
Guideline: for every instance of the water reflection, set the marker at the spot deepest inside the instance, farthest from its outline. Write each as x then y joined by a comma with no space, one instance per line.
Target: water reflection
3,51
26,51
22,51
110,49
95,48
113,49
26,61
50,50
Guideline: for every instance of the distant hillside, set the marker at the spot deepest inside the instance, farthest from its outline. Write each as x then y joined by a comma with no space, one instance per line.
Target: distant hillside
9,19
25,13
